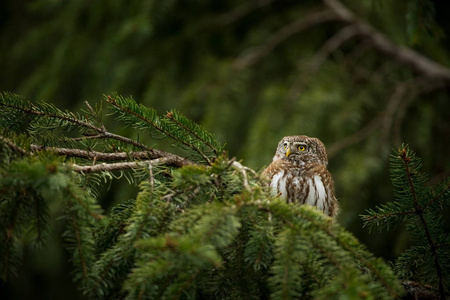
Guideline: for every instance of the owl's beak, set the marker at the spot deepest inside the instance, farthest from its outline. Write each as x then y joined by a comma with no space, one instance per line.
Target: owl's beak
288,152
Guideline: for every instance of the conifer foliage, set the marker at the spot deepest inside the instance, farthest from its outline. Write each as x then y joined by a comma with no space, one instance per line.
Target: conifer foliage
203,226
421,207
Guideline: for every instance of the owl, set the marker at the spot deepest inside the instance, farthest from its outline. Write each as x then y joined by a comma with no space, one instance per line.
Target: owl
299,173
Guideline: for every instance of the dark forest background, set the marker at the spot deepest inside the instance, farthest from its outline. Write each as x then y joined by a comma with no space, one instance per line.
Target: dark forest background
363,76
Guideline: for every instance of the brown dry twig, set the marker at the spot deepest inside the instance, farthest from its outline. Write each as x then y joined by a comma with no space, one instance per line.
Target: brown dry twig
153,156
334,43
400,100
281,35
380,42
242,10
113,156
338,12
124,165
355,137
243,169
13,146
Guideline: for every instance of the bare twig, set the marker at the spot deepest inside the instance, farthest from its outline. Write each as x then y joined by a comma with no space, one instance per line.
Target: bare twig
359,50
407,56
354,138
396,98
393,114
417,290
283,34
114,156
333,43
242,10
402,97
152,179
169,158
243,169
417,88
13,146
123,165
338,12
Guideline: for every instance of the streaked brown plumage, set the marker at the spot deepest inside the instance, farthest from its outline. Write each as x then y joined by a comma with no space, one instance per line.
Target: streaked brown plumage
299,173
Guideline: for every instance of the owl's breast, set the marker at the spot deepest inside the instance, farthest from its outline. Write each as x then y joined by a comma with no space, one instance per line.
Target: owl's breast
278,184
316,193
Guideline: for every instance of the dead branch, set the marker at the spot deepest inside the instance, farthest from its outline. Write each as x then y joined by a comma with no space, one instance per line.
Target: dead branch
338,12
283,34
243,169
404,55
124,165
333,43
113,156
399,94
242,10
153,154
415,88
355,137
13,147
394,114
415,290
402,97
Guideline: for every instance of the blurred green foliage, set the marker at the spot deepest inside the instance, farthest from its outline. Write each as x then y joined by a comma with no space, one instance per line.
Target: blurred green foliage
187,55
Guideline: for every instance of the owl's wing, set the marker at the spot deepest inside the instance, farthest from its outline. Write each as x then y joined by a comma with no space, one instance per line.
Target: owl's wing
273,169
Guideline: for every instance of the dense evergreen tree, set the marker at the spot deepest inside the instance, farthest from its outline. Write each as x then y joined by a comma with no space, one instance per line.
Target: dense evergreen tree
363,76
200,228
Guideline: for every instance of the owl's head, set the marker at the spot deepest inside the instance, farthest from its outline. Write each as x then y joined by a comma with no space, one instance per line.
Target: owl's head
301,148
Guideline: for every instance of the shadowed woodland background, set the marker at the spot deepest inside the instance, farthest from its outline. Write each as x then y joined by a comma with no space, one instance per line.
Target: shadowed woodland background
364,78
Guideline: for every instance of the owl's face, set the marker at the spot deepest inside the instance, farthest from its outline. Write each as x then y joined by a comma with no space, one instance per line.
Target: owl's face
301,148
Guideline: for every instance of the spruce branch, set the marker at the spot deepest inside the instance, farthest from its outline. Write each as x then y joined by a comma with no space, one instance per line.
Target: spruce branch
42,109
7,238
195,130
81,213
406,159
195,230
437,197
374,218
414,206
369,262
340,238
78,241
140,116
50,112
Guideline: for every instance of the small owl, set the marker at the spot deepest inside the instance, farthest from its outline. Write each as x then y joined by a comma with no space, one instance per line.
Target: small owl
299,174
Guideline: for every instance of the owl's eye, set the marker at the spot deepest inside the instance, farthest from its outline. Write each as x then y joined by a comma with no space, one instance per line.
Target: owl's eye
285,145
301,148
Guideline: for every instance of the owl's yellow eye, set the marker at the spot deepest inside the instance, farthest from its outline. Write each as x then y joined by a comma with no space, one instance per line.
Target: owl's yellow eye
301,148
285,146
